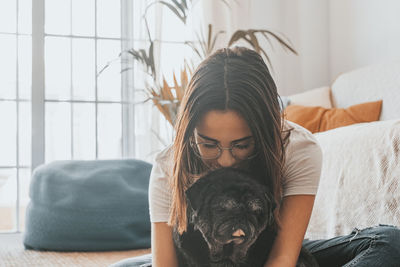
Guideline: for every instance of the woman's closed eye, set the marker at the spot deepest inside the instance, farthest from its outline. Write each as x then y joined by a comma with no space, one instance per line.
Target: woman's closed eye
242,146
208,145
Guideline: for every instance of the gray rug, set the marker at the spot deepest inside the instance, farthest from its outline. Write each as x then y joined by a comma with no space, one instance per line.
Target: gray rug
13,253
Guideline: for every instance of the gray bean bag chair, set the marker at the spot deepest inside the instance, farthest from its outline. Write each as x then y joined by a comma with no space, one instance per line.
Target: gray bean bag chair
89,206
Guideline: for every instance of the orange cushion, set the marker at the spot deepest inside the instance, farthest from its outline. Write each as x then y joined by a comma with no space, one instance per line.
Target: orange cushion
319,119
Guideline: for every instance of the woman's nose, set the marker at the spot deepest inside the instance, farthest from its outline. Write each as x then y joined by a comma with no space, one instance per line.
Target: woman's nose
226,159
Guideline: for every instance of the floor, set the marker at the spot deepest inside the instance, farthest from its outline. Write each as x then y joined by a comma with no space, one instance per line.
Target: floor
12,253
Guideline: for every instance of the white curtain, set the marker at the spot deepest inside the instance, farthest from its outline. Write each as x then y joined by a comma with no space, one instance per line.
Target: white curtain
147,120
152,131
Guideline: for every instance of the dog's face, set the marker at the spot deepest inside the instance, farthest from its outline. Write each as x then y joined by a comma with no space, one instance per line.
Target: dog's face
230,209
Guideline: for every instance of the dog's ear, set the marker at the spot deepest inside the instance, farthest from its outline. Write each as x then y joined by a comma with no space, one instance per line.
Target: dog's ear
272,202
270,199
195,194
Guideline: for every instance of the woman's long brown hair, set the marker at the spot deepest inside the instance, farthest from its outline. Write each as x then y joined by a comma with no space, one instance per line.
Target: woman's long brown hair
238,80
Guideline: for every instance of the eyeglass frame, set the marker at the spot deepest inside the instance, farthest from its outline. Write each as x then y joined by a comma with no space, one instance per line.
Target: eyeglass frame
220,148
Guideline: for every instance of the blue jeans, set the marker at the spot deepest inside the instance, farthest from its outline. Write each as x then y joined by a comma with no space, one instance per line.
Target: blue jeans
374,246
140,261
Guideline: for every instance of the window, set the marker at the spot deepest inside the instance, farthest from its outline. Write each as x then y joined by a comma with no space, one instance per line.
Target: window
73,112
55,104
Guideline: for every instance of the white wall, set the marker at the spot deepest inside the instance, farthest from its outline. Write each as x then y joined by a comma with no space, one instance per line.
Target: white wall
363,32
331,36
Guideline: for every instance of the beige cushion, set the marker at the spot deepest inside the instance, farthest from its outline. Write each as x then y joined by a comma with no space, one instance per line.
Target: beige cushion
316,97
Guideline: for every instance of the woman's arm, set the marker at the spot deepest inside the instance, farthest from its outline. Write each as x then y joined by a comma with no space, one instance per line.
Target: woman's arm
295,213
162,246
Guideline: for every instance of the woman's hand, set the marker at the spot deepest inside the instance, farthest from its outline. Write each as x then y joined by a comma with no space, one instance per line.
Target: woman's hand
162,245
295,214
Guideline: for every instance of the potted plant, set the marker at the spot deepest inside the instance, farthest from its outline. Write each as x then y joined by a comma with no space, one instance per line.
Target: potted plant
166,97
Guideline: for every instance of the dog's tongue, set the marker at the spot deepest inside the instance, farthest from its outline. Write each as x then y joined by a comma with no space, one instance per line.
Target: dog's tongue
238,233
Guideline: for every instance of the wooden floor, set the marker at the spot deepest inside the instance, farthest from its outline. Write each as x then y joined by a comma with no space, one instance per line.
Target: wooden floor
13,254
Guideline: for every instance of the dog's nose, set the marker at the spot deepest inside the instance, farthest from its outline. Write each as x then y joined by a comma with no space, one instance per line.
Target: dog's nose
238,233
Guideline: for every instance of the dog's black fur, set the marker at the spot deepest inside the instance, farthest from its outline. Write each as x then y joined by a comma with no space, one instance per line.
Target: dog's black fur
219,204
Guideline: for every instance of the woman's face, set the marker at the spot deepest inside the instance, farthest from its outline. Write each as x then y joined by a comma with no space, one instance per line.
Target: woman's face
226,129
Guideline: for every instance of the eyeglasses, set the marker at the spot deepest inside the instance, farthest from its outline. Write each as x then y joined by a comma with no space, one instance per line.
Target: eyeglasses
209,150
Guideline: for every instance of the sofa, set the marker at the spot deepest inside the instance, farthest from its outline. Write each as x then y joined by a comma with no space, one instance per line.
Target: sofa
360,178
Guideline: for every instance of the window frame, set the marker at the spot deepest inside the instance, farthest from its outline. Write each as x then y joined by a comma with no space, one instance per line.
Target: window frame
38,82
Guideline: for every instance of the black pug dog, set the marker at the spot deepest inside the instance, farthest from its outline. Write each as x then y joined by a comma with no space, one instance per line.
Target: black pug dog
230,223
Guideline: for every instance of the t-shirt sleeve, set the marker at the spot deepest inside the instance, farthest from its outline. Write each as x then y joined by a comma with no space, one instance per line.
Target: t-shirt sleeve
159,190
303,163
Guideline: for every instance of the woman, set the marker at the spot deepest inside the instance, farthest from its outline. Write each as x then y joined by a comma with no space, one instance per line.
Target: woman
230,117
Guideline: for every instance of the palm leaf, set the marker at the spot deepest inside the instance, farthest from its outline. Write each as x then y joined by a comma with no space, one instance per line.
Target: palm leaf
203,48
209,37
241,34
150,60
146,58
250,37
212,40
215,39
194,48
254,41
202,43
184,82
175,10
184,4
268,39
163,109
281,41
180,6
166,91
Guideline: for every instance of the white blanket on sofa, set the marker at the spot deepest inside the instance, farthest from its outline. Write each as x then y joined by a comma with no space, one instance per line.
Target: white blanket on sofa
360,179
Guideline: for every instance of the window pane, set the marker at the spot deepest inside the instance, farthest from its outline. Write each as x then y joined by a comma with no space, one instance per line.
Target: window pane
57,131
58,68
58,16
84,130
24,182
109,81
8,58
8,195
25,133
25,16
83,17
8,136
83,69
109,131
25,66
8,16
109,18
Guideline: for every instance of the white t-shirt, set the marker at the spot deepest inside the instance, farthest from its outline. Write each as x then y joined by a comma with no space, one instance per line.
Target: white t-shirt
301,172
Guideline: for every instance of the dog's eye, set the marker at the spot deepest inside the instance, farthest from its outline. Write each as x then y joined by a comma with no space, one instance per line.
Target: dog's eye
228,204
255,205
